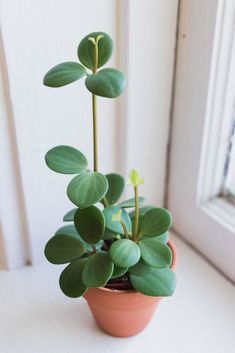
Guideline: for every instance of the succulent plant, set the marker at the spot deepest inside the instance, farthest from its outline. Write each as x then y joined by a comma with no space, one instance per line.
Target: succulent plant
105,239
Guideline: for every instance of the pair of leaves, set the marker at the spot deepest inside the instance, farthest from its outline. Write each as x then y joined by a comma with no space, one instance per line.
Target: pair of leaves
152,281
94,271
71,230
126,253
107,82
67,244
86,188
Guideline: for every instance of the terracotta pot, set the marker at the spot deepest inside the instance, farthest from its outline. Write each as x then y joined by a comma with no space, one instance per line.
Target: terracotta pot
123,313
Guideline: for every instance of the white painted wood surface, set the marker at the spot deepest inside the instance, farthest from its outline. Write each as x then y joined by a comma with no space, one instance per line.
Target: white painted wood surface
151,39
13,230
36,317
202,54
38,35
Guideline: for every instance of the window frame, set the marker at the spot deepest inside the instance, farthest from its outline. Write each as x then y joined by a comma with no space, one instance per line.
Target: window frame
201,215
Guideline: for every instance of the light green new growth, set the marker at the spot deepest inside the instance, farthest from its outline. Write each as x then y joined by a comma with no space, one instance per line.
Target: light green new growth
134,178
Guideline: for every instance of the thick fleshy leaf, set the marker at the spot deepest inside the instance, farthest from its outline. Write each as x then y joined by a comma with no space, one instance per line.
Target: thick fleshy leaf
115,189
119,271
124,253
140,269
156,222
86,189
131,202
115,225
86,49
155,252
63,74
142,211
66,160
154,282
69,216
90,224
71,230
163,237
109,83
71,279
62,248
98,270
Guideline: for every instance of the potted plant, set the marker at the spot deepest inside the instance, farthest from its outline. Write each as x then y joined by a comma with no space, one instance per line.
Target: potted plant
119,255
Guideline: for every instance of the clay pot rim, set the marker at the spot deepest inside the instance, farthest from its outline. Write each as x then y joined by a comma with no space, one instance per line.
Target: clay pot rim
131,291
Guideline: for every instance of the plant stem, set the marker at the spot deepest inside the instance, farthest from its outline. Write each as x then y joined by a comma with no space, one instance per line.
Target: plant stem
94,249
125,229
136,213
105,202
94,113
95,147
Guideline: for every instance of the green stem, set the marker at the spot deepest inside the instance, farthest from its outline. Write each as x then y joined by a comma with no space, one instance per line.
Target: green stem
125,229
105,202
95,147
136,213
94,113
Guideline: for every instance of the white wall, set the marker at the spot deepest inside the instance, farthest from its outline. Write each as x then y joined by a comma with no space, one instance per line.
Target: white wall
39,34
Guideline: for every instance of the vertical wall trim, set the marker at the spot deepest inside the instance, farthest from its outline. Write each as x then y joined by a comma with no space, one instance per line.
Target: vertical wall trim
13,232
123,13
171,112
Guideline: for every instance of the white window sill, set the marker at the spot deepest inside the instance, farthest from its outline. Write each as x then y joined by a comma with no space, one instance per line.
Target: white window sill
37,318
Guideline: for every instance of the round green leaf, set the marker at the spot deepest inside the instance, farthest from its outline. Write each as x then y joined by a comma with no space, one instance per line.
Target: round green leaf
98,270
71,230
119,271
89,223
131,202
69,216
68,230
140,269
63,74
66,160
156,222
115,189
163,237
155,252
155,282
71,279
86,49
109,83
115,226
86,189
124,253
61,249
